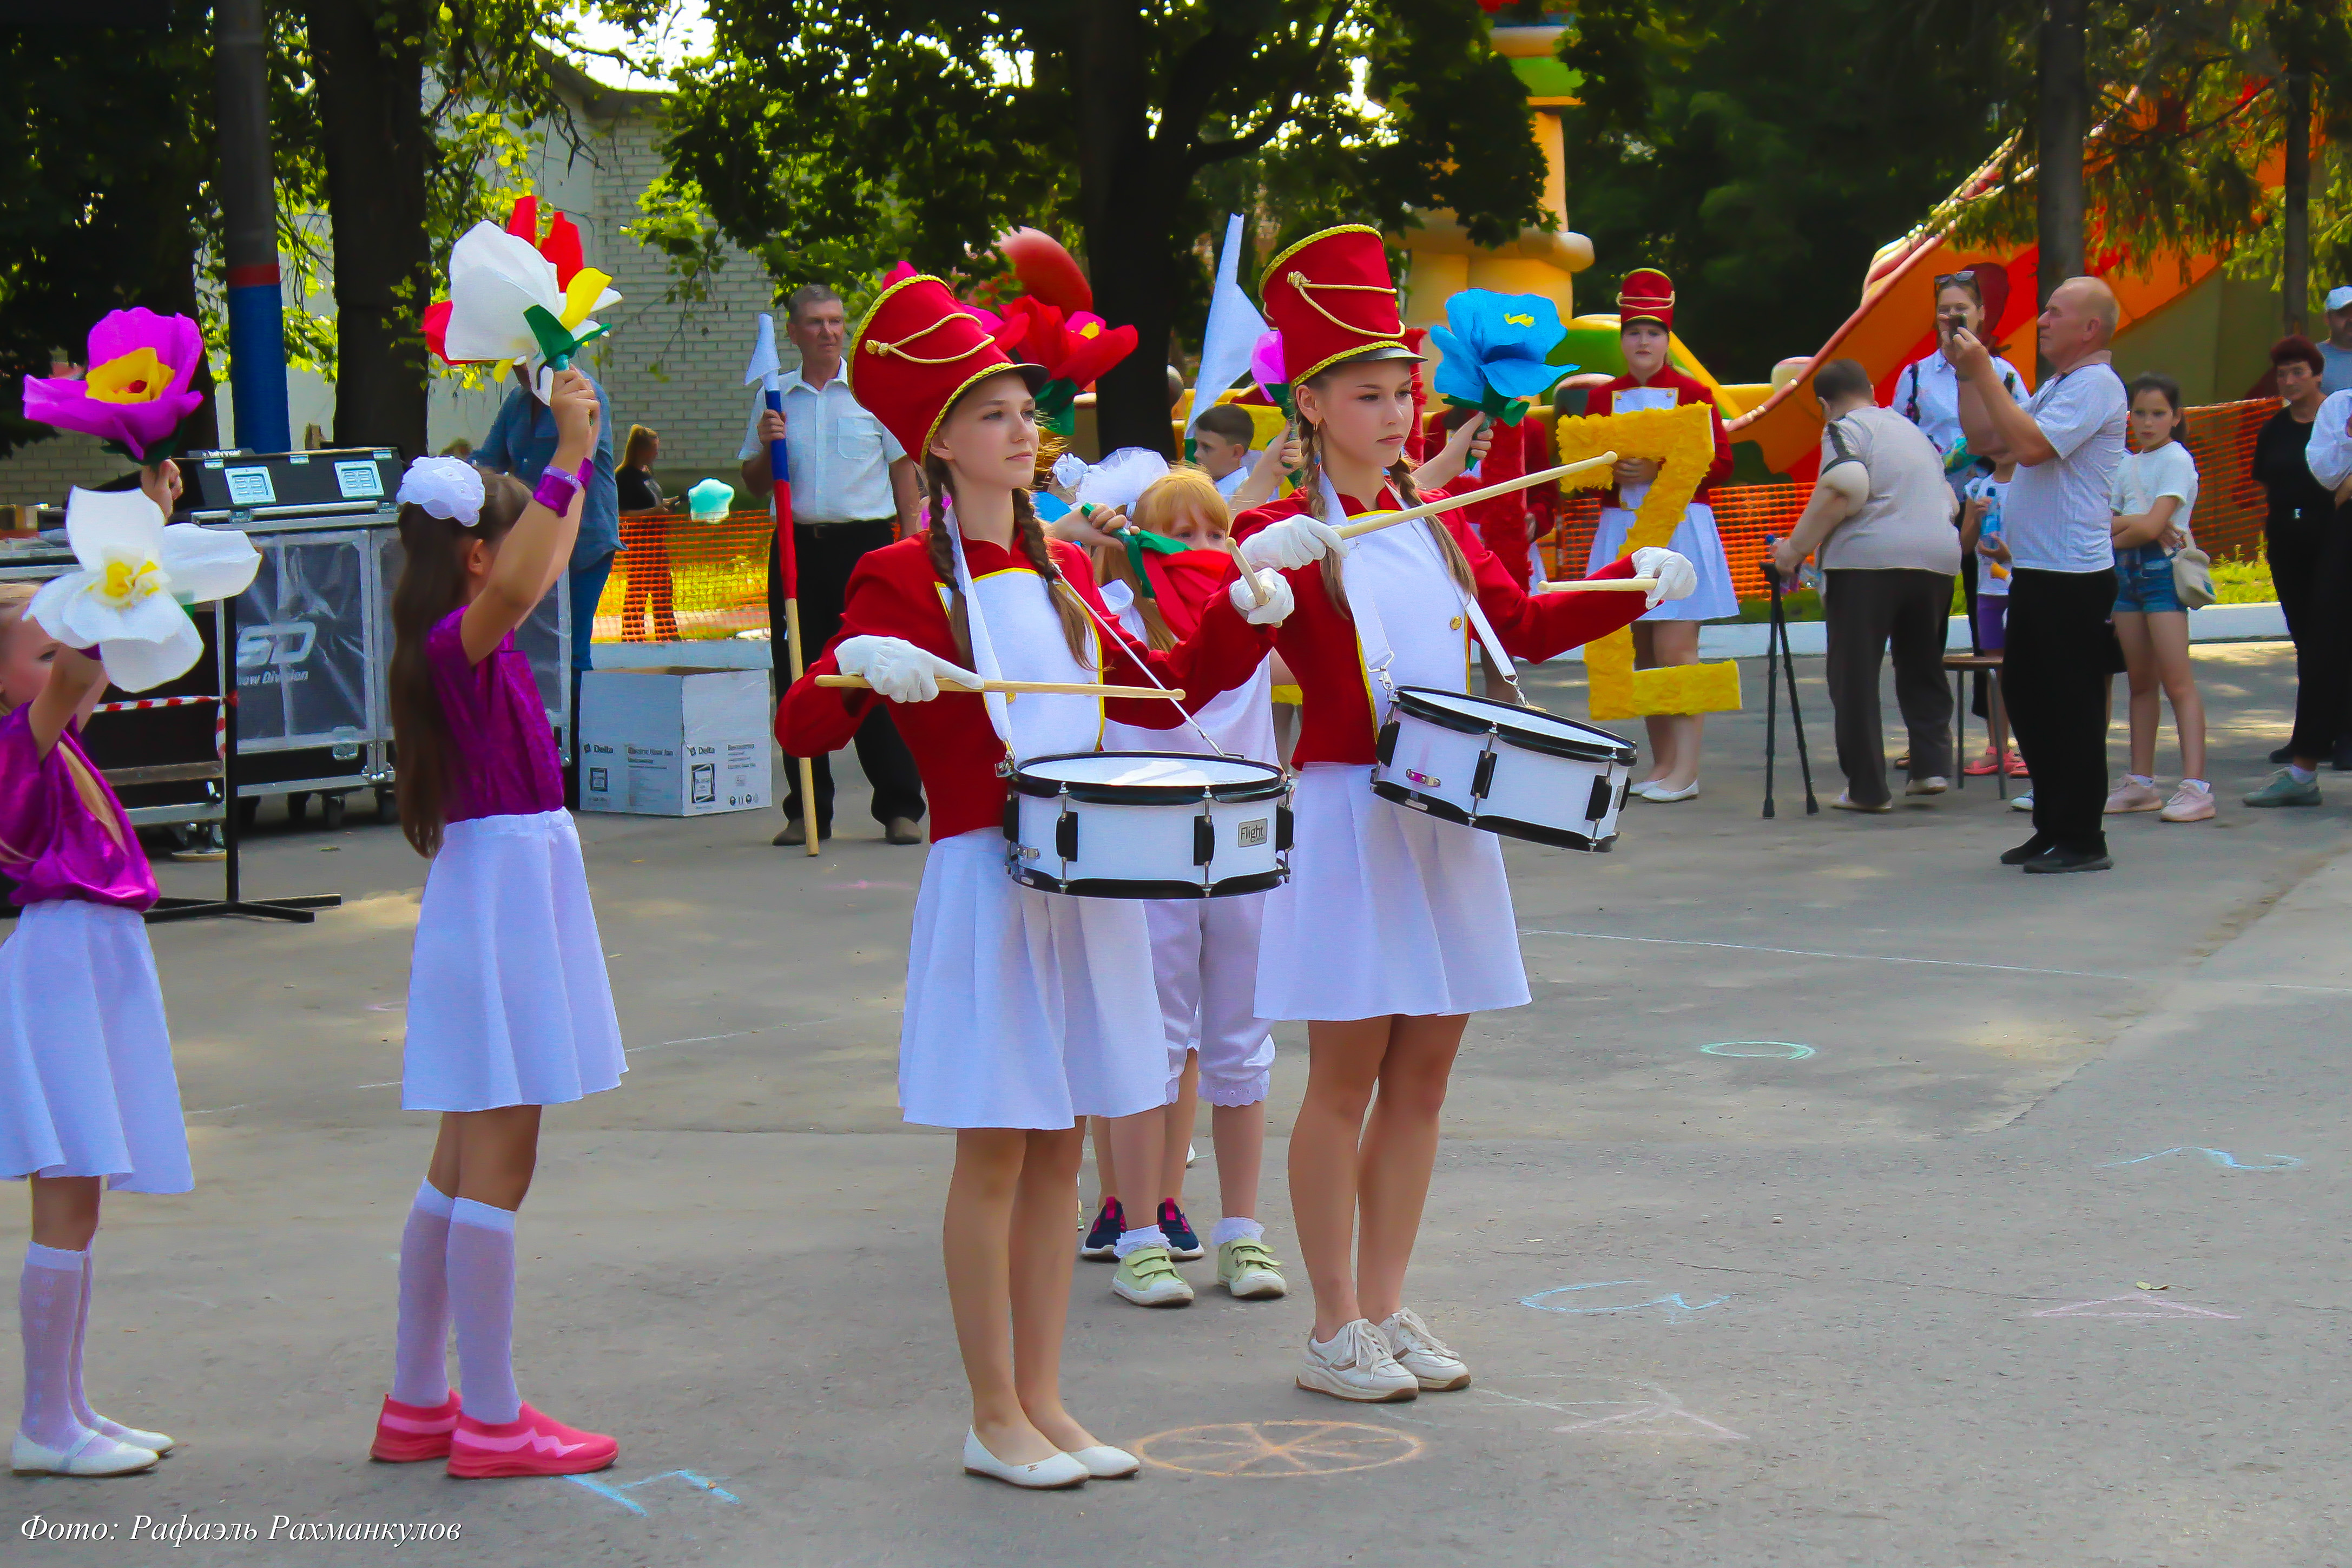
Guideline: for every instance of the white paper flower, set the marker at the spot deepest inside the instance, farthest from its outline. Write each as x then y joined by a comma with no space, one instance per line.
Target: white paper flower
495,278
136,573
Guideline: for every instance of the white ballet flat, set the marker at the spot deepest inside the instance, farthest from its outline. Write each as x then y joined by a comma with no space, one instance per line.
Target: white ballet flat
1105,1462
1666,796
1046,1475
95,1454
161,1442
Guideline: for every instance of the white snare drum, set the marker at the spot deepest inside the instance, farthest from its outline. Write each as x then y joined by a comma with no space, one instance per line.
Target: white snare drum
1519,771
1147,825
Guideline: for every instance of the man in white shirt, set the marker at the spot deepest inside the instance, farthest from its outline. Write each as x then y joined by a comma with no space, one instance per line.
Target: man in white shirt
2067,443
852,489
1882,519
2338,350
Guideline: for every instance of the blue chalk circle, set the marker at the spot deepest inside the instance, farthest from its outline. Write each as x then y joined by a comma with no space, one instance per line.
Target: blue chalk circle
1761,1051
1676,1306
2220,1157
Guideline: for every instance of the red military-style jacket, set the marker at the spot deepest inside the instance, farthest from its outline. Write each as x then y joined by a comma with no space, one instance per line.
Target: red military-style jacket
894,592
1320,647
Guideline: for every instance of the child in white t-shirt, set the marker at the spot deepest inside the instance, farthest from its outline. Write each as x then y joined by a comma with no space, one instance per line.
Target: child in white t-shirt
2155,490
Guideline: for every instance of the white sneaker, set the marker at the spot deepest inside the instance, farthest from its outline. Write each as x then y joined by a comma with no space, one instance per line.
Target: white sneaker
95,1454
1046,1475
1356,1365
1433,1364
1934,784
2021,801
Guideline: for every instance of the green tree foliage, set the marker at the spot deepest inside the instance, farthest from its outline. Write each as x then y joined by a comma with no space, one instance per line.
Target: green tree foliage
1761,152
835,139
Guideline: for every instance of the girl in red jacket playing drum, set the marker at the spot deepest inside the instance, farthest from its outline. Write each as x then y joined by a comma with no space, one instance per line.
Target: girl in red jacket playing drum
1394,926
1025,1010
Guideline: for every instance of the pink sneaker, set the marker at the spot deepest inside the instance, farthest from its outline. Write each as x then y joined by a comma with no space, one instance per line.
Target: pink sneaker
529,1444
408,1433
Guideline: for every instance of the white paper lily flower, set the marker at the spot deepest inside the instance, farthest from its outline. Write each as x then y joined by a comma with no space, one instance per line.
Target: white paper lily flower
136,573
494,278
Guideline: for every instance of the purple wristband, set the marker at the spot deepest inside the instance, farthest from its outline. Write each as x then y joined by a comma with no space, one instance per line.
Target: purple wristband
556,490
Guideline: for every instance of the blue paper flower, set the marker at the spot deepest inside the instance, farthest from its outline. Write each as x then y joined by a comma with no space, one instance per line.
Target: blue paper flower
1495,352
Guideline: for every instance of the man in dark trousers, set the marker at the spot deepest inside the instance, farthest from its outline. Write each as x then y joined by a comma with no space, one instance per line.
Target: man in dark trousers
853,490
2067,444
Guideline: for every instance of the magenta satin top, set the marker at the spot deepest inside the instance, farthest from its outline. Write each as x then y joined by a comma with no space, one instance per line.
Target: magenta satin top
49,841
502,759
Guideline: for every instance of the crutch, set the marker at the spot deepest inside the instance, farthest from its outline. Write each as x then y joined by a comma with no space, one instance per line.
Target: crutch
1789,669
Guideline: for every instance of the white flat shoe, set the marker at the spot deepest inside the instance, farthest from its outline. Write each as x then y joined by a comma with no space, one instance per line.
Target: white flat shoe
1048,1474
161,1442
1666,796
1105,1462
95,1454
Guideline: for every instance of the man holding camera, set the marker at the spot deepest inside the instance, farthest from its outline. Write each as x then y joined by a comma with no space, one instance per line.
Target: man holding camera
2067,444
1880,517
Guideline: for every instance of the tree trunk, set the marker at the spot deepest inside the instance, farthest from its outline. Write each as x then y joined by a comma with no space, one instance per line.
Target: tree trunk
1129,201
2063,121
2295,226
372,115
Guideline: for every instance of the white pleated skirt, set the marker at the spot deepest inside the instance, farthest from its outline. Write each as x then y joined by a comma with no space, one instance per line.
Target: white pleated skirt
508,999
1387,911
1024,1008
1696,541
86,1081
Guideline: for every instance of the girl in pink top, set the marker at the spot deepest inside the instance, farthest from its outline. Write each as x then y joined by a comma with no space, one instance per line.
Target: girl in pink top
509,1006
87,1090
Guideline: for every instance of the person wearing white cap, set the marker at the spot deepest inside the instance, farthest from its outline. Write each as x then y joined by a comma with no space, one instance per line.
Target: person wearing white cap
2337,349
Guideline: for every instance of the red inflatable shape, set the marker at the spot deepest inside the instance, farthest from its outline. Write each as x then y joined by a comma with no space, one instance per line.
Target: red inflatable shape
1047,270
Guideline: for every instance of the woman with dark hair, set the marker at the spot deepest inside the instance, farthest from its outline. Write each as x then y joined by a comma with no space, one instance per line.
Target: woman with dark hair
2300,511
644,541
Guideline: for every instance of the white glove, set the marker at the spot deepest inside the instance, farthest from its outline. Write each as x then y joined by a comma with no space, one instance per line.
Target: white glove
1677,578
1292,542
898,670
1278,601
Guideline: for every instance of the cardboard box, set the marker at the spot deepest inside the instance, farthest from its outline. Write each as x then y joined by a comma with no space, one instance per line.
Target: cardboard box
678,741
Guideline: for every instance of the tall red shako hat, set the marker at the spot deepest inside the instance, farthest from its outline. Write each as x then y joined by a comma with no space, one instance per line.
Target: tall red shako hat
916,353
1646,295
1333,299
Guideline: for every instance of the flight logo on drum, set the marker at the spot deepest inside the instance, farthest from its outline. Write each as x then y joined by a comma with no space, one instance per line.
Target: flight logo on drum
1250,835
1426,780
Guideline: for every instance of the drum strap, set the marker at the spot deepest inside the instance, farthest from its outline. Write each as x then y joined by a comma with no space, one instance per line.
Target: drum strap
1372,634
983,651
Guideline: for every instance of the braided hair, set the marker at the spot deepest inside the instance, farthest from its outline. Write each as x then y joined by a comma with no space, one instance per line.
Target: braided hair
1028,538
1399,474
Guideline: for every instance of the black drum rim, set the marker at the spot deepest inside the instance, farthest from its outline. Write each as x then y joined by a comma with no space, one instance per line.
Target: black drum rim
1408,697
1501,827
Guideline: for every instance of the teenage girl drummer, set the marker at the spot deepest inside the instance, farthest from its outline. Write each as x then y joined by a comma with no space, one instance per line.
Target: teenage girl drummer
1025,1010
1394,926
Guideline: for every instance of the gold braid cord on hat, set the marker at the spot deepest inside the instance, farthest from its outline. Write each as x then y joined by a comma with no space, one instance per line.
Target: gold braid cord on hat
875,346
1307,286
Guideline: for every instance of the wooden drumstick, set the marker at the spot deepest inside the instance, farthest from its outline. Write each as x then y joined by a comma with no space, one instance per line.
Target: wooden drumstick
1431,509
1605,586
1017,688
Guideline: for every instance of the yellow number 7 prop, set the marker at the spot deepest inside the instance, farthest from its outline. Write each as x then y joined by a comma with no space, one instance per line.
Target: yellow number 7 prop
1683,441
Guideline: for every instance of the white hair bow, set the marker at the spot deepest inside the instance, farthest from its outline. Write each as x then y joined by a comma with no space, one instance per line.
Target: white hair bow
443,487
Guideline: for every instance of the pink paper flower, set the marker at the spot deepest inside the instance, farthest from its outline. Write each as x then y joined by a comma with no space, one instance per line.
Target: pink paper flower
135,392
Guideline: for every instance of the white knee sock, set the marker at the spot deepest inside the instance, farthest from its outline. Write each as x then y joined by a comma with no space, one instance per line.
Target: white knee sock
49,1308
481,1301
420,1364
82,1411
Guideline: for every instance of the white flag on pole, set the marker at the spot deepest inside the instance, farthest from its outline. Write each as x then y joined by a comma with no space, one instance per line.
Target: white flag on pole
1235,328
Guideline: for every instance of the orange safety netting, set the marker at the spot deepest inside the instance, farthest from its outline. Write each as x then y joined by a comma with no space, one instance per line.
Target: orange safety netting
681,579
2228,521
